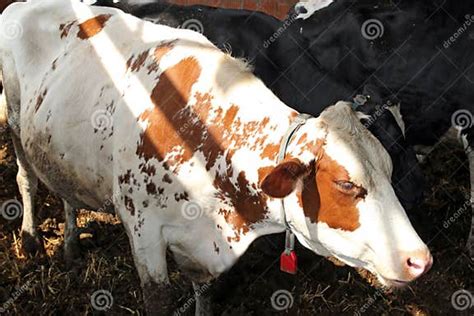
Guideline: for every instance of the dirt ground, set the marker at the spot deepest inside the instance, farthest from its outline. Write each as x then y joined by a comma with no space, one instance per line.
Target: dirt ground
43,286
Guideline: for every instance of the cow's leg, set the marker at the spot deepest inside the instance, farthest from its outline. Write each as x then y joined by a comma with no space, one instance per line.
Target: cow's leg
158,295
71,234
203,299
27,185
149,254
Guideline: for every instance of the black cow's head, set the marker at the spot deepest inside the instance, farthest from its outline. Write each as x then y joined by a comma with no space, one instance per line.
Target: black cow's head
384,120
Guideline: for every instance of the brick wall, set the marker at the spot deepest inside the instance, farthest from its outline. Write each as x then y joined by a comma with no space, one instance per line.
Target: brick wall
277,8
4,4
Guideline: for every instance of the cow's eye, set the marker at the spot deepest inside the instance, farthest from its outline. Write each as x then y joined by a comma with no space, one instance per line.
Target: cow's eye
345,185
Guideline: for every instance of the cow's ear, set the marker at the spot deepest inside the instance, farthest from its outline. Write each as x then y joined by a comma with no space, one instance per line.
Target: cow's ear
281,181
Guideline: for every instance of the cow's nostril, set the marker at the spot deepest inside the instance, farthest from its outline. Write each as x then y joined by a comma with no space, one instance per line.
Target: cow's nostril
415,263
417,266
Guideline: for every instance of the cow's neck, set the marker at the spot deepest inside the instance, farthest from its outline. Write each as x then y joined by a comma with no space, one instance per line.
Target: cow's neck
250,213
256,214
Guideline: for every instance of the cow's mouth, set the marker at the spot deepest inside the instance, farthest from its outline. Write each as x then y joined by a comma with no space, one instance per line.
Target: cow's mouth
393,283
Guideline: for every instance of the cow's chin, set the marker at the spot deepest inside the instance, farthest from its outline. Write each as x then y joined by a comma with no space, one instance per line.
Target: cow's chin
390,283
321,250
383,281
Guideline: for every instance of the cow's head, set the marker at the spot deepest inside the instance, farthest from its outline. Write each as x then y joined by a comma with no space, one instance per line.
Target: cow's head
336,185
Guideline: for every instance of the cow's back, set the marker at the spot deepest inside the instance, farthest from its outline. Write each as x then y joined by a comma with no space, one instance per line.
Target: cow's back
80,91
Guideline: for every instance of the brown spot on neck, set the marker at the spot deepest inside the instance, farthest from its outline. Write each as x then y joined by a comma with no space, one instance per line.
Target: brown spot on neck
167,178
322,201
129,205
270,151
158,54
162,50
92,26
65,28
40,99
135,64
249,206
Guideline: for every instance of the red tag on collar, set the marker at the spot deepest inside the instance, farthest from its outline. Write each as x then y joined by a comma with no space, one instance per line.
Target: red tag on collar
289,262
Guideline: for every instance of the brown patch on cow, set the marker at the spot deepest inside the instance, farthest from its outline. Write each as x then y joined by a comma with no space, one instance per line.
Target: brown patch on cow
162,50
302,139
229,117
167,178
323,201
293,116
148,169
65,28
216,248
151,188
129,205
181,196
270,151
158,54
311,146
135,64
40,99
53,65
125,178
169,96
92,26
249,206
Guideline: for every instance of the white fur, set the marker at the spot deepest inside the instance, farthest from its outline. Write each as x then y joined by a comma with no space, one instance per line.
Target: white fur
311,6
397,114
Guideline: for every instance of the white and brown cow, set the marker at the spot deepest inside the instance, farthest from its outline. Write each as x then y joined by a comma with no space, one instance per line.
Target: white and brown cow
184,127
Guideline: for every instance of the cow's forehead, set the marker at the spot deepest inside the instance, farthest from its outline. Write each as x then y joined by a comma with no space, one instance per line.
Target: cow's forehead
352,146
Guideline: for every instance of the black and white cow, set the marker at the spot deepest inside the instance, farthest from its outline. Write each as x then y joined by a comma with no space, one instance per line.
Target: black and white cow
419,51
279,58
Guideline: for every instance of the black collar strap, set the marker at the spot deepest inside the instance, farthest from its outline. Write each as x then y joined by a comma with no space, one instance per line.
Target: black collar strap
299,121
